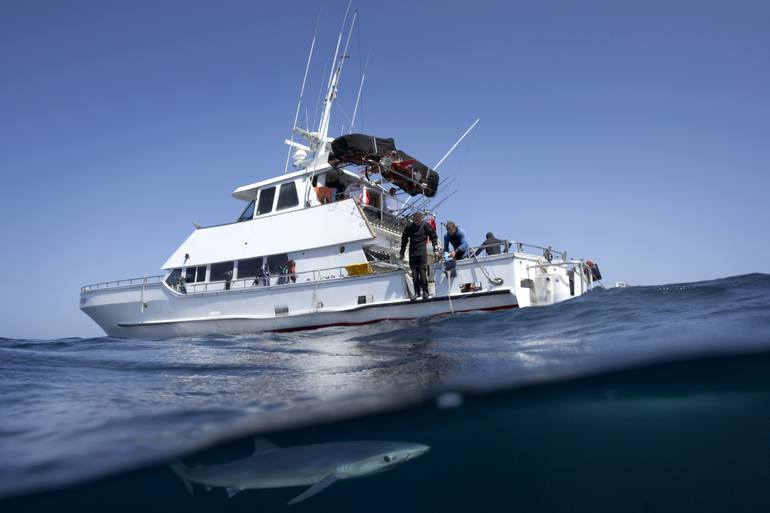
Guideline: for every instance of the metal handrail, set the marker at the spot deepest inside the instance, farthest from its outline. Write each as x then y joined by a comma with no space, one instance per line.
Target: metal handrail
123,283
554,264
316,275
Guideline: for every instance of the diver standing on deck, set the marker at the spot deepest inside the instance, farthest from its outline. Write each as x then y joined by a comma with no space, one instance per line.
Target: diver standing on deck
416,234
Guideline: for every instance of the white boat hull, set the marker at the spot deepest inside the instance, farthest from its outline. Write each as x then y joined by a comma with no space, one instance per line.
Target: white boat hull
157,311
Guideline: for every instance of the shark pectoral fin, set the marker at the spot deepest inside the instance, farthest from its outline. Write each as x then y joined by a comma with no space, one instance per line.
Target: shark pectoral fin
179,468
318,487
232,491
262,446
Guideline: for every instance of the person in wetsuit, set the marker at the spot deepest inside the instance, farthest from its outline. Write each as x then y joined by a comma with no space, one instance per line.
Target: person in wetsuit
491,245
455,236
416,234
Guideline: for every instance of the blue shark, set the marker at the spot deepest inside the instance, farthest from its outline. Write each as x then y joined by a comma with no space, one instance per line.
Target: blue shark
317,466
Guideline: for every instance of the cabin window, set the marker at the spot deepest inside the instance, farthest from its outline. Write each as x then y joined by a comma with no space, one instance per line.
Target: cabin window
276,262
249,268
173,277
287,198
248,212
219,271
265,204
195,274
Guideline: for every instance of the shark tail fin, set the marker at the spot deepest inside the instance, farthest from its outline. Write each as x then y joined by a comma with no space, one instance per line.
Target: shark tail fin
179,468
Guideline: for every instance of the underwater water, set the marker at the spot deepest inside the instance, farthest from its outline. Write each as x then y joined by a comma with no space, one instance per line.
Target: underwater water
636,399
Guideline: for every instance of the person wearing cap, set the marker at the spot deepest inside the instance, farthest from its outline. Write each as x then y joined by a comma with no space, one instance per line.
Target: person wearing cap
491,245
391,202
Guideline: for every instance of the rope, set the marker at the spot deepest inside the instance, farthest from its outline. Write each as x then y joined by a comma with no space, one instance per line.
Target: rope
495,281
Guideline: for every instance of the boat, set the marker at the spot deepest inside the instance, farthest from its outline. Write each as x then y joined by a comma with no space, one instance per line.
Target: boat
317,247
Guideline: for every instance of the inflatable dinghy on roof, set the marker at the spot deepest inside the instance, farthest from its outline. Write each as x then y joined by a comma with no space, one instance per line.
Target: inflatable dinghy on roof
380,156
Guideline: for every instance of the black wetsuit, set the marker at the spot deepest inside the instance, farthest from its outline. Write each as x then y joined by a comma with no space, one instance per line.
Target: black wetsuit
417,236
491,245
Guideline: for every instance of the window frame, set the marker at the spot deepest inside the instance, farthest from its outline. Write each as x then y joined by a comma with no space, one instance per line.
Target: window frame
259,201
295,198
273,266
231,268
260,260
252,203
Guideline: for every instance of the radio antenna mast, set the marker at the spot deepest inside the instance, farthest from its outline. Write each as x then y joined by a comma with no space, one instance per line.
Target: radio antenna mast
302,92
358,97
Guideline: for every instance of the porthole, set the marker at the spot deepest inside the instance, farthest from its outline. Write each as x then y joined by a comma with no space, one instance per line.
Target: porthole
342,249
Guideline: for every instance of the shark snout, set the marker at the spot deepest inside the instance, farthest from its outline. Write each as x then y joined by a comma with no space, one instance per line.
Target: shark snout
416,451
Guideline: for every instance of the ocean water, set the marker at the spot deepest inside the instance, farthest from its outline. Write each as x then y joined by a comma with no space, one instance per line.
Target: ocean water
638,399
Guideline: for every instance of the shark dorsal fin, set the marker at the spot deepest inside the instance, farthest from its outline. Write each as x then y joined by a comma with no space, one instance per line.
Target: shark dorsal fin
316,488
263,446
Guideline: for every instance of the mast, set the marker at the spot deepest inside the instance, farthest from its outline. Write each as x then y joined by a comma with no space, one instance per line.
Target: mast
331,93
318,140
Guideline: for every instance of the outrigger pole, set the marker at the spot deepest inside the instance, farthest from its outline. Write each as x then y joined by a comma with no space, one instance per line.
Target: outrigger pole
455,145
447,153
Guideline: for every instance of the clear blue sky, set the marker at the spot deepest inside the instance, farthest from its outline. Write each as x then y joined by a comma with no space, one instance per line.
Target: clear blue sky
633,133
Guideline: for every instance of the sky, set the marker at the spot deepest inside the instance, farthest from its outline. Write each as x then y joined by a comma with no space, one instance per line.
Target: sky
636,134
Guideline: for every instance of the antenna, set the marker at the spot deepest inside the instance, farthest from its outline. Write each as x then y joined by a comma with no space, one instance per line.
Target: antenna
302,92
358,97
323,128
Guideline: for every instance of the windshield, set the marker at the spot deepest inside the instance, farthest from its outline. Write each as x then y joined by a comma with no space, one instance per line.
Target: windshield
248,212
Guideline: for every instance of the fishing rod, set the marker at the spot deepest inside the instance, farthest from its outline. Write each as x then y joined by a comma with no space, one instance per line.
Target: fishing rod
443,200
405,215
426,201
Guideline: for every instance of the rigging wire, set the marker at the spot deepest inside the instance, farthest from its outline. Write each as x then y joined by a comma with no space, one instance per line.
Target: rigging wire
358,97
318,101
302,90
362,74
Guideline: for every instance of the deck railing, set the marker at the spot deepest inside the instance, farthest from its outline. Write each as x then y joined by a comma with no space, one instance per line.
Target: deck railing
145,280
313,276
250,282
303,277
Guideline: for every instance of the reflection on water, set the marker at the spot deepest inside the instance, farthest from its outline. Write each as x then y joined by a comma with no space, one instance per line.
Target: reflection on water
317,465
